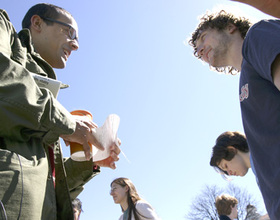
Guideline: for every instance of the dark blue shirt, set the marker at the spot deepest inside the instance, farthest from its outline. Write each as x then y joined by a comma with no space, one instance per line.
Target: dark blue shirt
224,217
260,107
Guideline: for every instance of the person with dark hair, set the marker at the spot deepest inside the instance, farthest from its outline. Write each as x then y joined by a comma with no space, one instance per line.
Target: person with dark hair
77,208
271,7
230,155
230,44
134,208
33,183
226,206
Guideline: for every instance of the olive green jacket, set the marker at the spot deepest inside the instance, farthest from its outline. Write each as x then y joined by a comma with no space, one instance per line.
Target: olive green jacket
31,121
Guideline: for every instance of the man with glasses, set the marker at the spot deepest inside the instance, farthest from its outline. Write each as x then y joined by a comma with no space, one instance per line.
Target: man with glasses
33,183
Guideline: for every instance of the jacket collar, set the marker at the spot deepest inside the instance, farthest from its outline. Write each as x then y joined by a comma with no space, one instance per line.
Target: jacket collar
26,41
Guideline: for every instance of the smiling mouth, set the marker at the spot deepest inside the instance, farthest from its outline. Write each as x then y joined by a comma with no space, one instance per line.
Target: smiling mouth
67,54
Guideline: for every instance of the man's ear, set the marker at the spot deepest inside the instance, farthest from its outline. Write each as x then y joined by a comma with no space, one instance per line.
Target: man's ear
231,28
36,23
232,149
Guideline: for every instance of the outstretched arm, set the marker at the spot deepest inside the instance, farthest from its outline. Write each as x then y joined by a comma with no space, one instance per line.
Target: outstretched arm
271,7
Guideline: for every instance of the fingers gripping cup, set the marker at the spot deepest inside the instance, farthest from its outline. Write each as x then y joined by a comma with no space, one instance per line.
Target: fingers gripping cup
106,135
77,150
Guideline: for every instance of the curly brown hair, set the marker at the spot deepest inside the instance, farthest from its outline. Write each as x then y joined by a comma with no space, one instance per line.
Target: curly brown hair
219,21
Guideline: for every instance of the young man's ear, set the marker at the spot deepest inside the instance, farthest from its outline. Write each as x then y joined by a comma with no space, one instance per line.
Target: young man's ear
232,149
231,28
36,23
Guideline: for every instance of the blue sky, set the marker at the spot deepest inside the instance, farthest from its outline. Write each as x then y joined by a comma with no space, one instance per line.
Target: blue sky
133,62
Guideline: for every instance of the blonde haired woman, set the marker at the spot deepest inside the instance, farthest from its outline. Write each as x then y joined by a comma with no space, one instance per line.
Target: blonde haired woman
134,208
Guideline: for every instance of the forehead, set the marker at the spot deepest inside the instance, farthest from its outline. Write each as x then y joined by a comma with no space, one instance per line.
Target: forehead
114,185
67,18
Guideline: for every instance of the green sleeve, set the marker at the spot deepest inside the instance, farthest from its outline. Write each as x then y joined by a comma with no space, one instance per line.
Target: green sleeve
78,174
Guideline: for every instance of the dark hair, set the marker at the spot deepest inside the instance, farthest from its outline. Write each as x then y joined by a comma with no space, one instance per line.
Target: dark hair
76,203
132,197
221,151
43,10
225,203
220,22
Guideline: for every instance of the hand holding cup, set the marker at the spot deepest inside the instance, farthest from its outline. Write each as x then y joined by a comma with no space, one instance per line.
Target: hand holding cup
83,138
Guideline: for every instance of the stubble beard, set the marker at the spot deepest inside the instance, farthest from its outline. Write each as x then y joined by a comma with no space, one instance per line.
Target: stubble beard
220,52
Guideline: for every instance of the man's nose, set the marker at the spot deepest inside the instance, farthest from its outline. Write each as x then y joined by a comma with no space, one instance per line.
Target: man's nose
229,172
74,44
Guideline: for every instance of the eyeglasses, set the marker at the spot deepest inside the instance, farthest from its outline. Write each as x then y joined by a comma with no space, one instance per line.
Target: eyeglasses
72,32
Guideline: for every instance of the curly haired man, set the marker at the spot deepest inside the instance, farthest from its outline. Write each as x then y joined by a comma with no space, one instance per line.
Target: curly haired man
230,44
